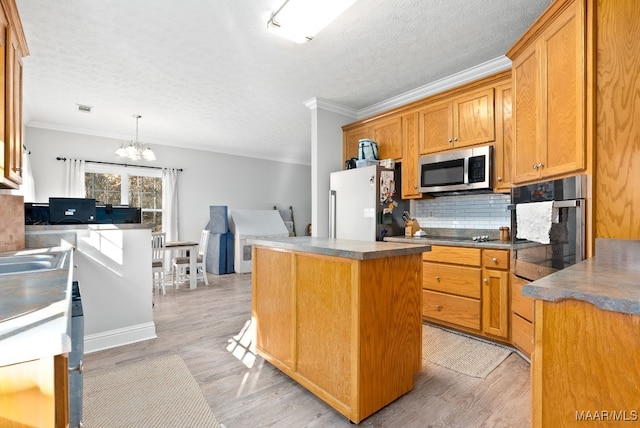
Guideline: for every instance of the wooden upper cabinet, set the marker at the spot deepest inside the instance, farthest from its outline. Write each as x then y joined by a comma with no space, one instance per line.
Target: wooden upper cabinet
13,48
388,135
351,139
410,175
549,73
462,121
503,153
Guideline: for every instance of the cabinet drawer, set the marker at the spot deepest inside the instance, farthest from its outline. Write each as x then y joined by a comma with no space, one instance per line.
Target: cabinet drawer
453,309
521,305
453,255
522,334
463,281
495,259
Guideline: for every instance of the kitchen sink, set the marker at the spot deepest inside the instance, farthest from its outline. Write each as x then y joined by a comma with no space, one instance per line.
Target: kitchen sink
26,263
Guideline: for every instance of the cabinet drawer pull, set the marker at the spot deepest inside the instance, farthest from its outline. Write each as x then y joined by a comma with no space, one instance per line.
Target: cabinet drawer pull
438,278
438,308
495,260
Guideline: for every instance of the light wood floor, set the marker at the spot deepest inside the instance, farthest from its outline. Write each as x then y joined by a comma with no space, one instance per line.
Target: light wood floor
209,328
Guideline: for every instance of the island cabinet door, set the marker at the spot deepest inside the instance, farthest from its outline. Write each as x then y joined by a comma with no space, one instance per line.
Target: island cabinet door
272,305
324,327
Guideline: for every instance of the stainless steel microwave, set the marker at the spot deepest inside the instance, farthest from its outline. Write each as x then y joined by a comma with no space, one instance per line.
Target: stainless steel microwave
456,171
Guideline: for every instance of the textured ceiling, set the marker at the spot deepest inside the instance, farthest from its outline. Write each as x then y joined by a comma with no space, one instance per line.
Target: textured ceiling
207,74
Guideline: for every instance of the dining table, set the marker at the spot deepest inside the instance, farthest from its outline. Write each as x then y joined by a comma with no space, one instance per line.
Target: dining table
192,248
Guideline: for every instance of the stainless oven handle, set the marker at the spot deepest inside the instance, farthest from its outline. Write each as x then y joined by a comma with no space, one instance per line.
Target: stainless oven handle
465,173
556,204
332,213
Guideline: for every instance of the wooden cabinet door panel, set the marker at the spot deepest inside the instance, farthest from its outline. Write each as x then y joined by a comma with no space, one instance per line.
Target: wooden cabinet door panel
495,306
527,95
460,280
324,295
410,143
273,302
436,124
452,309
520,304
351,139
388,135
563,118
504,138
522,334
473,119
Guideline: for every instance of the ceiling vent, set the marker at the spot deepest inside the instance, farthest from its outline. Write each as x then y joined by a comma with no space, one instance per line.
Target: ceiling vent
84,108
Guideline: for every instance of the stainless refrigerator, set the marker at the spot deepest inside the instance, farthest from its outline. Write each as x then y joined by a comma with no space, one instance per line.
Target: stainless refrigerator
365,204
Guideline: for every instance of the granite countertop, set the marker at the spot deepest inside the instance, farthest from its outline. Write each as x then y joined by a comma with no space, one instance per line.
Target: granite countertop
451,241
358,250
35,311
610,280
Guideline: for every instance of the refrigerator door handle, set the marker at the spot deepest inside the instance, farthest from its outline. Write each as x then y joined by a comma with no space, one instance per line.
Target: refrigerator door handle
332,213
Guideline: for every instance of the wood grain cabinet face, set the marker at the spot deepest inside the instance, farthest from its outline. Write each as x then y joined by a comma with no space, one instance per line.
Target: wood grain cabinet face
521,317
504,145
410,174
466,120
388,135
549,76
13,48
351,139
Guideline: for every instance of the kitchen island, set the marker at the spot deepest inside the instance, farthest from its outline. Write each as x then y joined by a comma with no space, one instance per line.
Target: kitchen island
342,318
586,359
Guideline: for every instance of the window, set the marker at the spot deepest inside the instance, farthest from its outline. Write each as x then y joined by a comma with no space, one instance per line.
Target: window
136,187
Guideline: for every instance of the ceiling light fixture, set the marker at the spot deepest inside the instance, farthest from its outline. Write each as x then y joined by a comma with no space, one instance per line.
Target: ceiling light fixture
136,150
301,20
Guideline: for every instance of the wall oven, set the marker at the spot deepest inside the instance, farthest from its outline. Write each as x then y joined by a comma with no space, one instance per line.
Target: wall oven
533,260
456,171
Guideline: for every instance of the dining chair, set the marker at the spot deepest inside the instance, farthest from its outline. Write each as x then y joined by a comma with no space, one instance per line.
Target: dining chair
157,261
180,264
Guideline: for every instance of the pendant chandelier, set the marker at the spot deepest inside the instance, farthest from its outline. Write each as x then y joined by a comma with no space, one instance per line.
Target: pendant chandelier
136,150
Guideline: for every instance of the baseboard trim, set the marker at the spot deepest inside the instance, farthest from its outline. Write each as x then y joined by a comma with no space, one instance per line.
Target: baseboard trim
119,337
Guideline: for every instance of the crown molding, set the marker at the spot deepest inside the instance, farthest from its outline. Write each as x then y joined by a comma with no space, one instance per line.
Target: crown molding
319,103
465,76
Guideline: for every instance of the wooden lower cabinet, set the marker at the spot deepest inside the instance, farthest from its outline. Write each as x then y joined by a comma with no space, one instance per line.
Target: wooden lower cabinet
521,317
585,367
348,330
467,288
35,393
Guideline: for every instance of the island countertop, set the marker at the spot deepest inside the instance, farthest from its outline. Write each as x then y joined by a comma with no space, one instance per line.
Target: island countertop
350,249
610,280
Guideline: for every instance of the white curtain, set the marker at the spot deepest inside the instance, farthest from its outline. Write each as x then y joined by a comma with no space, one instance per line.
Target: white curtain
28,187
74,184
170,203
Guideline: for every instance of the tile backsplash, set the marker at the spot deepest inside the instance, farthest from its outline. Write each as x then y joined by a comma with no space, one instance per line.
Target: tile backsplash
481,211
11,222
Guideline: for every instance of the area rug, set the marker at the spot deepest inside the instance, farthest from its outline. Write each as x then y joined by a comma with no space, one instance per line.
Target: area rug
461,353
153,393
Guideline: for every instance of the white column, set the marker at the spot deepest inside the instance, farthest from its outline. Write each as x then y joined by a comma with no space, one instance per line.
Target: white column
327,120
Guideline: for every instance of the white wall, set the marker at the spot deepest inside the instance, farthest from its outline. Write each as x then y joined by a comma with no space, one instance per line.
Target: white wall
208,178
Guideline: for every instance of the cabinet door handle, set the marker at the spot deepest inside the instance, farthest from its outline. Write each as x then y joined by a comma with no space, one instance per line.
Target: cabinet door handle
540,165
450,140
535,166
455,139
498,178
486,281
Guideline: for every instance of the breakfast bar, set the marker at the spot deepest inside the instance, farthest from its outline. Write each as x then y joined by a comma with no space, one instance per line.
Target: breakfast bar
340,317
